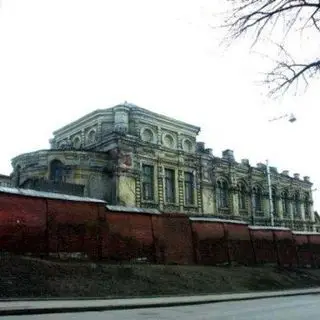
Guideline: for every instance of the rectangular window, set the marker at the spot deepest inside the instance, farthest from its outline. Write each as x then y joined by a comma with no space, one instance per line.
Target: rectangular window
307,210
188,188
147,182
285,207
169,186
242,201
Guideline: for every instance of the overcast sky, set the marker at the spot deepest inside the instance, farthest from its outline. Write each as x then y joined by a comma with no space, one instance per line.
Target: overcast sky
61,59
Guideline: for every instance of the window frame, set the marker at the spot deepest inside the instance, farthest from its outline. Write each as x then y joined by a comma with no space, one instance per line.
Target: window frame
242,196
257,199
285,204
167,181
274,201
297,208
56,165
222,192
147,183
189,199
307,212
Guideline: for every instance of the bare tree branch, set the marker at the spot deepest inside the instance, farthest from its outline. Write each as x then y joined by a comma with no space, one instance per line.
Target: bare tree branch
262,19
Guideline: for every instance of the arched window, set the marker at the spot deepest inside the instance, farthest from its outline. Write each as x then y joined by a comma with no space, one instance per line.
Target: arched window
285,203
242,196
56,171
222,194
307,206
91,137
296,206
77,142
257,199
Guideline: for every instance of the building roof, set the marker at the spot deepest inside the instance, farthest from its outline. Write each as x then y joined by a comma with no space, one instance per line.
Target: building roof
47,195
131,106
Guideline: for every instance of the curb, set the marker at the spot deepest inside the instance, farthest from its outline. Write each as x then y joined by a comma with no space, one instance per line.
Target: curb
148,303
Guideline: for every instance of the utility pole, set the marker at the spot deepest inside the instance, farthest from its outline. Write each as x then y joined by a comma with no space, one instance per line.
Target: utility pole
291,118
271,209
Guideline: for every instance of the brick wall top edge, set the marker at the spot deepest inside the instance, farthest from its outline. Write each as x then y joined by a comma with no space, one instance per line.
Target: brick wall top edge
200,219
47,195
306,233
268,228
123,209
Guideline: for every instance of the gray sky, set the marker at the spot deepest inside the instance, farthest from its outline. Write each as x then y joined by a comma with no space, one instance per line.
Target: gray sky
64,58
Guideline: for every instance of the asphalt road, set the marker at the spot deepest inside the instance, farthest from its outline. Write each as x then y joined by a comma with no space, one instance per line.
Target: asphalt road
298,307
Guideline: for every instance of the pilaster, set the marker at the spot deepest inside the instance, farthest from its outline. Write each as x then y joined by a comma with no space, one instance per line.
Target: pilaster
181,191
234,201
160,186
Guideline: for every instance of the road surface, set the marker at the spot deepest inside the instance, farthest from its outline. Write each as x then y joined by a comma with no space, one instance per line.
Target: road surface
297,307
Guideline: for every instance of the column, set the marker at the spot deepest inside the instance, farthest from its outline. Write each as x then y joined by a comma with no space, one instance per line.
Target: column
159,135
179,146
160,186
83,138
266,210
138,187
280,208
303,216
235,201
312,216
198,198
181,191
280,211
251,212
99,131
291,213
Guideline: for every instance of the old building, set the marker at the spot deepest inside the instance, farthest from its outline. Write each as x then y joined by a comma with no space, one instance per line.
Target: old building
134,157
5,181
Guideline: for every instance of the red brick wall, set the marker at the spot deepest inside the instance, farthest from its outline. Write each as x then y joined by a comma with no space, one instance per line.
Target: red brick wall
210,242
263,246
304,253
127,236
173,239
73,227
315,248
22,223
239,243
286,249
35,225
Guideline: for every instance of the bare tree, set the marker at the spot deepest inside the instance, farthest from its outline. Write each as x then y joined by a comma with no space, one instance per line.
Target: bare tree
280,22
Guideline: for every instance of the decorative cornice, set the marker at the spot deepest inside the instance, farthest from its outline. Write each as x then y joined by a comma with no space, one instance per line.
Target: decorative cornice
150,115
86,118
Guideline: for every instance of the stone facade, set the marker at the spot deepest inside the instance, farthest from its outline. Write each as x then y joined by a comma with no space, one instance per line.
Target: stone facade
134,157
5,181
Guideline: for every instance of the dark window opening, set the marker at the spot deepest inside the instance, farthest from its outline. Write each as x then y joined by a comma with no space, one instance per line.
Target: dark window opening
297,211
148,182
274,202
188,188
169,185
257,199
56,171
242,197
307,207
285,204
222,195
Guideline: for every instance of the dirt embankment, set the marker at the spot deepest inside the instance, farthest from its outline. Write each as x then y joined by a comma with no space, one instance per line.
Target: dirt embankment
29,277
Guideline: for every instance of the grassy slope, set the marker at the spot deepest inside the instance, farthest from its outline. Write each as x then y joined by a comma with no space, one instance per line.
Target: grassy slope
28,277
